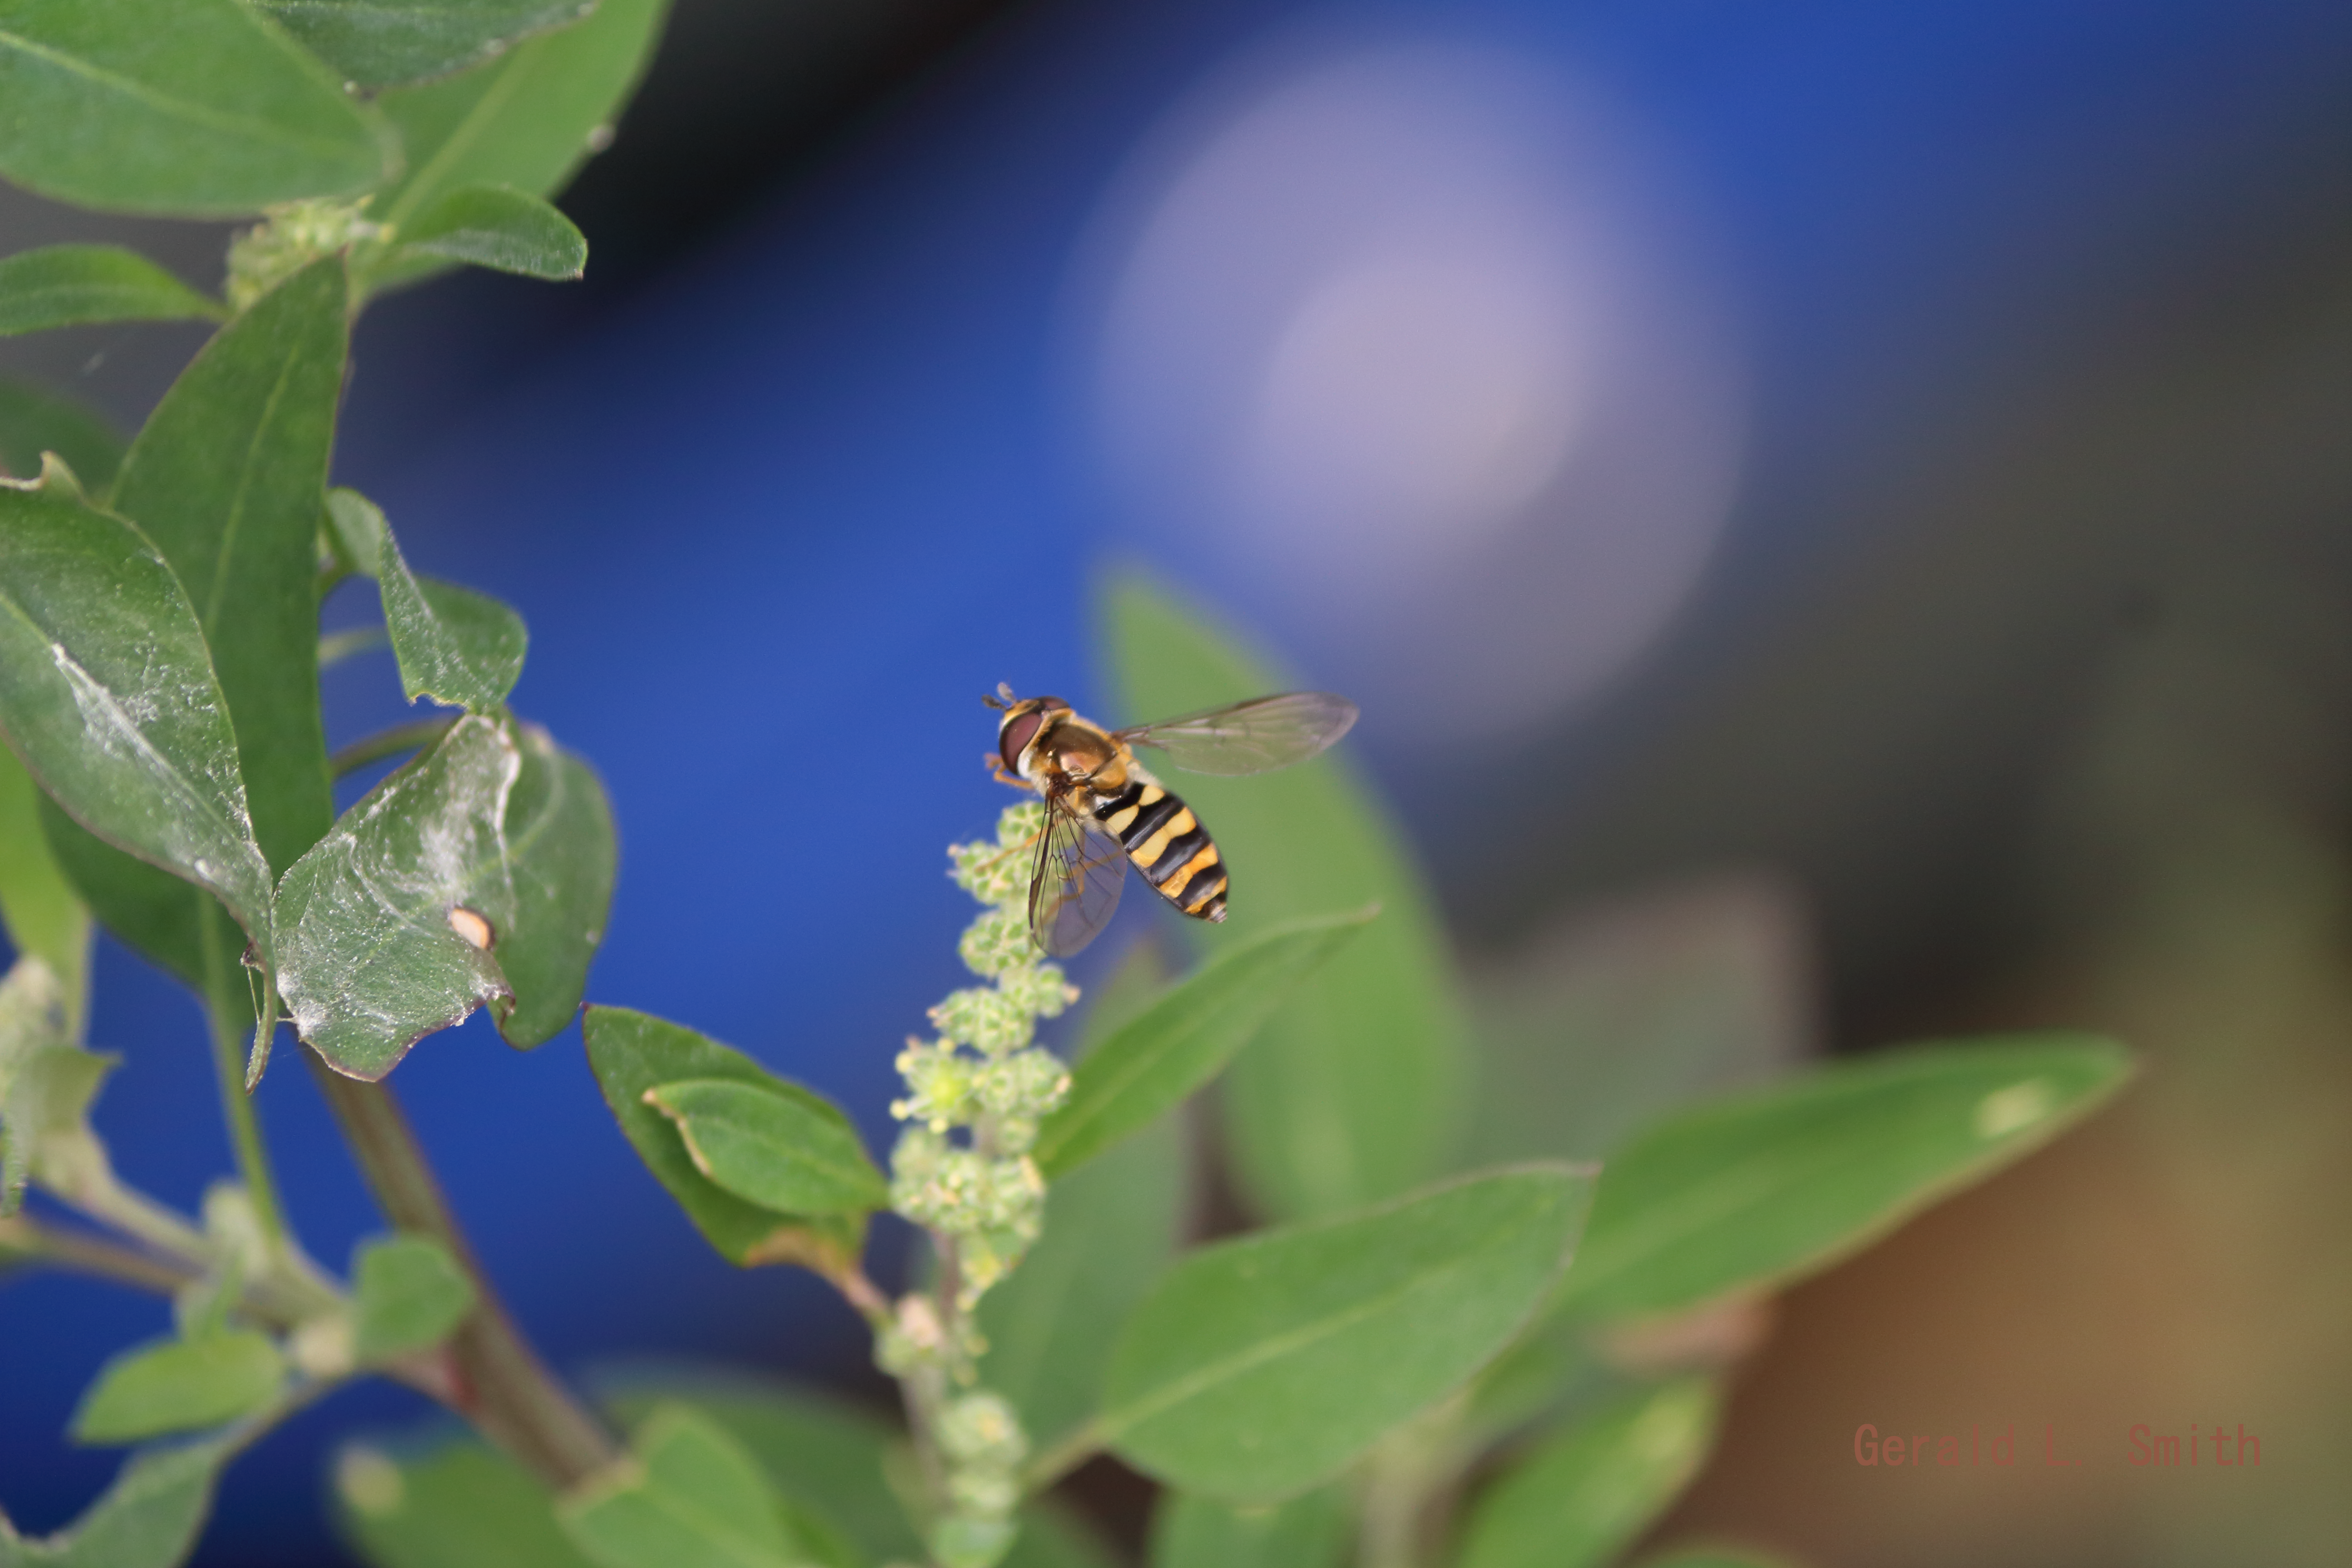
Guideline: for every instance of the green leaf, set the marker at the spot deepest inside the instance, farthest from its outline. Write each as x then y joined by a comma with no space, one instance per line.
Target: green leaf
463,1505
229,478
561,858
1716,1557
388,927
33,422
780,1146
1353,1090
148,1519
499,227
32,1023
1636,1008
1260,1367
692,1496
45,918
1584,1497
177,1385
527,119
461,649
1184,1038
384,43
1309,1531
153,912
1110,1230
634,1052
71,285
1750,1192
106,694
408,1294
179,108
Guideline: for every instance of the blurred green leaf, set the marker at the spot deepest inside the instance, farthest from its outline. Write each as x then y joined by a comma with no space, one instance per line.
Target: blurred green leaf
148,1519
462,1505
829,1461
179,1385
1185,1037
152,911
106,694
355,530
228,478
33,422
1584,1495
385,42
70,285
692,1497
499,227
1260,1367
179,108
1353,1090
1716,1557
45,918
562,855
1636,1007
1309,1532
407,1294
1749,1192
528,119
633,1052
780,1146
32,1023
1110,1229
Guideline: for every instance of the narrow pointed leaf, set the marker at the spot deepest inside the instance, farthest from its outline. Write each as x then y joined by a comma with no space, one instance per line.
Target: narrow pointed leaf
1185,1037
44,917
529,118
634,1052
1309,1531
384,43
389,927
1747,1192
693,1496
1260,1367
464,1505
229,478
179,108
33,421
179,1385
1354,1090
148,1519
793,1151
408,1294
1581,1498
106,694
499,227
71,285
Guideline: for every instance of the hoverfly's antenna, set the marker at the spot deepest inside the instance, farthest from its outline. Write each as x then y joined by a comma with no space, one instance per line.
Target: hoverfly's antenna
1004,698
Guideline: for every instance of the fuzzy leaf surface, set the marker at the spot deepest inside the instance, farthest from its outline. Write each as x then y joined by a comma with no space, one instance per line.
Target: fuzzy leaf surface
528,118
1309,1531
1260,1367
1355,1089
408,1294
463,1505
1582,1498
385,43
634,1052
1184,1038
1747,1192
108,696
794,1152
148,1519
72,285
499,227
177,107
179,1385
693,1496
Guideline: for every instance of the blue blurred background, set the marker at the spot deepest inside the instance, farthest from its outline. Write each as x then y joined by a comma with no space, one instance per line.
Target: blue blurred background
1903,447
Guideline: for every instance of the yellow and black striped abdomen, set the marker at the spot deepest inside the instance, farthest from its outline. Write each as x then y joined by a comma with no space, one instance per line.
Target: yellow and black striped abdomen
1168,845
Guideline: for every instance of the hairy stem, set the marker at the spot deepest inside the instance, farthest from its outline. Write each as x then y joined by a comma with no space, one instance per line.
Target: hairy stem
501,1385
94,1256
226,1014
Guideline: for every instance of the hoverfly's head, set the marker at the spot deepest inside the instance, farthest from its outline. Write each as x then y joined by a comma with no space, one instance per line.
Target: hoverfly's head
1023,723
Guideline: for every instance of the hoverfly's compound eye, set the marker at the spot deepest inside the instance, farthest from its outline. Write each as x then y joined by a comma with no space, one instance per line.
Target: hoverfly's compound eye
1015,736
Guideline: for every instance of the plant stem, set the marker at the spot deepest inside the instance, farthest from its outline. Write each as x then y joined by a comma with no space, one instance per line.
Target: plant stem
503,1386
387,744
93,1255
225,1014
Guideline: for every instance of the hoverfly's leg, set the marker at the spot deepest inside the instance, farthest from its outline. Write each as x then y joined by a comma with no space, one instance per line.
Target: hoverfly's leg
1020,848
996,771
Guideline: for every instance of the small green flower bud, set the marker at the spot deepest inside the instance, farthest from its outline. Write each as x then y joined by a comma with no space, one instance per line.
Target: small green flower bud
993,1021
941,1086
997,941
982,1429
962,1542
1039,990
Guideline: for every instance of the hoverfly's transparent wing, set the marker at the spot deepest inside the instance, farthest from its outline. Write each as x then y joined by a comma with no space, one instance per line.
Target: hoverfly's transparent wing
1252,737
1074,889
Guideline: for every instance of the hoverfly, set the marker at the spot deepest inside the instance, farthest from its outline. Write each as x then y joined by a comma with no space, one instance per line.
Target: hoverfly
1103,808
